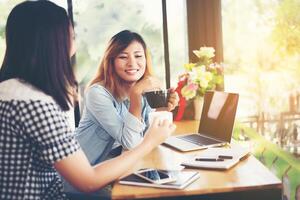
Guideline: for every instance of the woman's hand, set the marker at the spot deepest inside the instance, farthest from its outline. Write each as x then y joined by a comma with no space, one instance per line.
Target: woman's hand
135,94
173,99
158,131
147,83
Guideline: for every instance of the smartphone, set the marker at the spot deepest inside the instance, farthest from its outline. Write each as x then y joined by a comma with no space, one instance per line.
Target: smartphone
155,176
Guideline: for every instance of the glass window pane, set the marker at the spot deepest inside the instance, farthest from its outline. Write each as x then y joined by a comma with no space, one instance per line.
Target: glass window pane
5,7
257,66
96,21
177,33
61,3
262,54
262,57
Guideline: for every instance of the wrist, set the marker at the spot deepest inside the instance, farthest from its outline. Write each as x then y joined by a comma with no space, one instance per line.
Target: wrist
135,107
147,146
135,93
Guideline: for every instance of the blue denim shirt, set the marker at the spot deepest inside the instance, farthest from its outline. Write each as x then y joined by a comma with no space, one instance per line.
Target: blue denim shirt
106,121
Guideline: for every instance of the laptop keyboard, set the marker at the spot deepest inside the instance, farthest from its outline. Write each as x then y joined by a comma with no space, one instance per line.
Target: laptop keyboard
197,139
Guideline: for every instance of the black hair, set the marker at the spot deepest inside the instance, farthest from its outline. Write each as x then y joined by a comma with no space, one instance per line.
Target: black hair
125,37
38,45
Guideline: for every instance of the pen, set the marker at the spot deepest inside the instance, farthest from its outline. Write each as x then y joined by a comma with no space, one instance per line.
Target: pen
225,157
209,159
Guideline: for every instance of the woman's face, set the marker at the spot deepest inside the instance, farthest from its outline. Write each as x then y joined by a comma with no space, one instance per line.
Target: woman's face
130,64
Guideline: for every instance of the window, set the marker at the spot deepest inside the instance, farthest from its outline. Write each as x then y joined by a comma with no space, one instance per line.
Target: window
97,21
177,33
262,61
259,64
250,54
5,7
261,51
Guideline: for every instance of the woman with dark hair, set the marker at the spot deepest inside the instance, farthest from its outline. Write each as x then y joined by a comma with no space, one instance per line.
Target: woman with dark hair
36,90
115,114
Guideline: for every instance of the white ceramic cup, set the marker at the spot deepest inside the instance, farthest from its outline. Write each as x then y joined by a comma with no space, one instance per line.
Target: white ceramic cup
161,115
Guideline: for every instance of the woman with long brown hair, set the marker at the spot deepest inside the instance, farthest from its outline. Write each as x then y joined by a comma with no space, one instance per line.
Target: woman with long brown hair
115,114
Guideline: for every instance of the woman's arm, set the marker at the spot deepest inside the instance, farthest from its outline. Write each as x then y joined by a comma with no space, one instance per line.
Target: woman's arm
77,170
125,128
136,92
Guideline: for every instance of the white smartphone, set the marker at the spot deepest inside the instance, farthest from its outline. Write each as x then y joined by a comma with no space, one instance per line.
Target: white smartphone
155,176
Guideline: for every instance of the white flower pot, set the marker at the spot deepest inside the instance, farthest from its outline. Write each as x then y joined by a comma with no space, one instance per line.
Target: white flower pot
198,103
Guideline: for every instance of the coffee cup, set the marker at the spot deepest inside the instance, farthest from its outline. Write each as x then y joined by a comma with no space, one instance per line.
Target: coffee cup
157,98
161,115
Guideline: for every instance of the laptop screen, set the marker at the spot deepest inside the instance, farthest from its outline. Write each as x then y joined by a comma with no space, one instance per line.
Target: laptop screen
218,114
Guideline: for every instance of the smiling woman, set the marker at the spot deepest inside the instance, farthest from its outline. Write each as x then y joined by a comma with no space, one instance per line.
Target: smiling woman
115,115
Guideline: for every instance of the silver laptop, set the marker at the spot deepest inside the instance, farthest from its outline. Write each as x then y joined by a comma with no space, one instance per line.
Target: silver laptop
216,123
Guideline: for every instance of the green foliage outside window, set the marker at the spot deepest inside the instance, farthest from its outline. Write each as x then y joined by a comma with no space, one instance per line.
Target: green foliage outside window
286,32
261,51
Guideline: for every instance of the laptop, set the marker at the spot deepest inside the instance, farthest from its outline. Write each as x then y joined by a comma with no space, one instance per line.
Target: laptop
216,123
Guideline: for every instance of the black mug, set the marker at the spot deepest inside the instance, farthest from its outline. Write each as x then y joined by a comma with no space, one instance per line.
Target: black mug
157,98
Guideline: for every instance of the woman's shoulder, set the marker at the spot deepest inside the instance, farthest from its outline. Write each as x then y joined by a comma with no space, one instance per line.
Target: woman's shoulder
98,90
16,89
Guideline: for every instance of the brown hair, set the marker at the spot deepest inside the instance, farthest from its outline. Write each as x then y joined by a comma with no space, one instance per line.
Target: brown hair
106,74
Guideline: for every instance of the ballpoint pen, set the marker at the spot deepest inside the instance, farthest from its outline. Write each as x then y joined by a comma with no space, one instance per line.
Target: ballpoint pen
209,159
225,157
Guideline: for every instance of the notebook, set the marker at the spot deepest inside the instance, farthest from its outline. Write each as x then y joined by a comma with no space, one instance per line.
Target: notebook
183,179
216,123
220,158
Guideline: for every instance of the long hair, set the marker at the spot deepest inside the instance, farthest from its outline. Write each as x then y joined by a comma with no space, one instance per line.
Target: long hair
38,49
106,74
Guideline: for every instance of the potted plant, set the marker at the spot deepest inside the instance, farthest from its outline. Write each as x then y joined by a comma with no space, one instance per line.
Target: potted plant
198,78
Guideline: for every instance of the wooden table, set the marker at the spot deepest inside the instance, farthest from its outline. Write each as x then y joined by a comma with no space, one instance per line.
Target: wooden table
248,180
